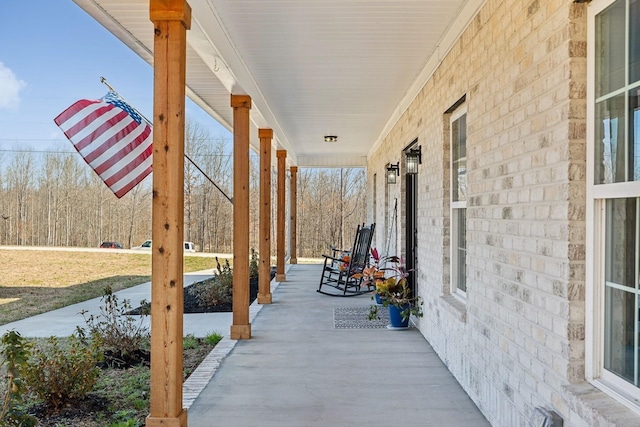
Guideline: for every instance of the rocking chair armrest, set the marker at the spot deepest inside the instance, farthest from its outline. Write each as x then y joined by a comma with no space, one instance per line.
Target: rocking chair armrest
332,258
344,251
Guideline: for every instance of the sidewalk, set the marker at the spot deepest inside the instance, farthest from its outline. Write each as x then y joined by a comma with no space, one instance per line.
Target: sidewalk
299,369
63,322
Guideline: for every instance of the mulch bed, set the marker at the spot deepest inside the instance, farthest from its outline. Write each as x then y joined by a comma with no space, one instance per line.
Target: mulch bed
86,411
193,304
73,413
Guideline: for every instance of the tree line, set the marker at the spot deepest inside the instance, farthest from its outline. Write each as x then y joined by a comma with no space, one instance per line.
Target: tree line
55,199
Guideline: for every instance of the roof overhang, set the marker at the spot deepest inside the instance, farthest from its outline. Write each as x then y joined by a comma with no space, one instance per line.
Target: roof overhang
348,68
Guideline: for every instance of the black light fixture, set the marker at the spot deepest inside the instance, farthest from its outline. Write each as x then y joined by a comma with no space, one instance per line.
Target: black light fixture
392,172
413,158
330,138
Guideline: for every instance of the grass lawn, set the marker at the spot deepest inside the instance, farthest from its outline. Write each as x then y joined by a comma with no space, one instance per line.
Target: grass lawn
36,281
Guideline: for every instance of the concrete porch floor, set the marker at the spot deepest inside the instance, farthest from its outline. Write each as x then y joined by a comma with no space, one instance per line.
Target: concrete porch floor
299,370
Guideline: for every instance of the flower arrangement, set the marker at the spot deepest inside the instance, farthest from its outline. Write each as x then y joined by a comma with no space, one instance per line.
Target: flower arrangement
389,276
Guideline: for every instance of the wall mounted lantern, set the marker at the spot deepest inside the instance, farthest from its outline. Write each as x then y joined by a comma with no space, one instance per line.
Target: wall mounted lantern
413,158
392,172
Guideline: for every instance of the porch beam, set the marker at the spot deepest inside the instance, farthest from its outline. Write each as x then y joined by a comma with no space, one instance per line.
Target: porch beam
241,328
264,286
294,214
280,243
171,20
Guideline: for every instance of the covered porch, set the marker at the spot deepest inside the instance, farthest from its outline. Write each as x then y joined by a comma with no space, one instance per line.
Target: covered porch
312,361
512,218
305,84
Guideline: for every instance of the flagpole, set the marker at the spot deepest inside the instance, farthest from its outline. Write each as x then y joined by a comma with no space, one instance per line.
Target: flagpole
104,81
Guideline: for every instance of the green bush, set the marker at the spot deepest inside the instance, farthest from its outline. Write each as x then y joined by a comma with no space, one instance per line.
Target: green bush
225,274
218,291
189,342
253,265
120,335
213,338
15,354
124,419
58,376
127,423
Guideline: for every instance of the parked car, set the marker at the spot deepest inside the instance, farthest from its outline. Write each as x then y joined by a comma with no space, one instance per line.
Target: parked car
188,246
111,245
144,246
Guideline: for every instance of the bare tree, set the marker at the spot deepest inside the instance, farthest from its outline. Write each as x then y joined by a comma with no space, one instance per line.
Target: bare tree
20,183
56,199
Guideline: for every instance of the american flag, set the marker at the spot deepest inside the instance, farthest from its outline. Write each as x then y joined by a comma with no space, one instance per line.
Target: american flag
112,138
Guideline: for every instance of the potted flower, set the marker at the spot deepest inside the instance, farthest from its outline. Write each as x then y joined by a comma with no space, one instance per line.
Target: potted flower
389,275
345,259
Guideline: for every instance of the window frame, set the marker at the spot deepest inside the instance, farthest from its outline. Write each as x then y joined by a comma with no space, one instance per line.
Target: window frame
455,208
596,217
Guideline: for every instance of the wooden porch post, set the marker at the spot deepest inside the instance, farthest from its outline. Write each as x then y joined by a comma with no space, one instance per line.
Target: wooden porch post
294,214
264,287
171,19
241,328
282,159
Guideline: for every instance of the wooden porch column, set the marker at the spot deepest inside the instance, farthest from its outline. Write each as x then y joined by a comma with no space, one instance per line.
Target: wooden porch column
282,159
241,328
171,19
294,214
264,286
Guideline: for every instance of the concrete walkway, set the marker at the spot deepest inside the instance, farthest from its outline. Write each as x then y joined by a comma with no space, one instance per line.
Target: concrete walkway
299,370
63,322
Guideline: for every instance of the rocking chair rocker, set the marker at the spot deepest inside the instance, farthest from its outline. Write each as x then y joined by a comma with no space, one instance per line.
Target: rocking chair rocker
338,271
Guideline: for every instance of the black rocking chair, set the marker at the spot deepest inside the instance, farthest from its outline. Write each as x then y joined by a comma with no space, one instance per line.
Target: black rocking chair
337,273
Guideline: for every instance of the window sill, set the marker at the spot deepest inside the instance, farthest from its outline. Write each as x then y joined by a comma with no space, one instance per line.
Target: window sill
590,403
455,307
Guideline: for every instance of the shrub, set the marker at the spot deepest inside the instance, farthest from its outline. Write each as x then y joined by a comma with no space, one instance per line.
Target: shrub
121,336
15,355
127,392
58,376
189,342
218,291
225,274
213,338
253,265
127,423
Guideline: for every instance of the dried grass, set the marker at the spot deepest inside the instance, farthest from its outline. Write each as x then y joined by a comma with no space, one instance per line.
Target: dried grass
36,281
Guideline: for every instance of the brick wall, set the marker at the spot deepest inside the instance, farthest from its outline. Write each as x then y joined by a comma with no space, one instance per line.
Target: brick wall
518,340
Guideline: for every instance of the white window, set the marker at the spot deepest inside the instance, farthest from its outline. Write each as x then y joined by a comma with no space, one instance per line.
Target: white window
458,130
613,186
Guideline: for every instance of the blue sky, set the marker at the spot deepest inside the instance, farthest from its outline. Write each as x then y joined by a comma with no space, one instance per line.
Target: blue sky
52,54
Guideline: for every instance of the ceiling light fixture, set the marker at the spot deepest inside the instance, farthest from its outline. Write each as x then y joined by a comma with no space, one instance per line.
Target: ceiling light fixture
330,138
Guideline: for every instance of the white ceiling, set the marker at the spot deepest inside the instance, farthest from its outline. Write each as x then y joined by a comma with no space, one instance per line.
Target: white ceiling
312,67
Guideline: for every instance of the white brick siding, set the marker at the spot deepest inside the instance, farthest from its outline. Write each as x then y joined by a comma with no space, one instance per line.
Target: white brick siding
518,340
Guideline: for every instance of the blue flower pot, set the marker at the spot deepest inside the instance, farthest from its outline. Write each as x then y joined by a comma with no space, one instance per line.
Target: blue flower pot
379,299
395,316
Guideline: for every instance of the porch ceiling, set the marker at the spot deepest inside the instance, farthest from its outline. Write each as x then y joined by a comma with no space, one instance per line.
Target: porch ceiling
312,67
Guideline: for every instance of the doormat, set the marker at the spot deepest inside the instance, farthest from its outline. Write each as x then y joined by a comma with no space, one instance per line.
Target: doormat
358,318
